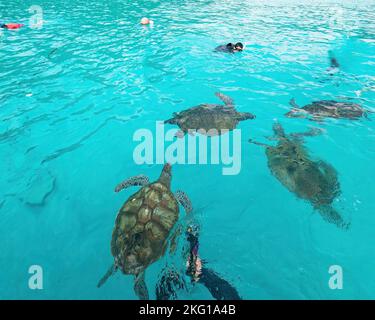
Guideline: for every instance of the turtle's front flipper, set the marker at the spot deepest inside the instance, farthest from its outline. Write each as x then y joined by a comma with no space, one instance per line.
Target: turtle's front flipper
140,287
259,143
228,101
184,200
111,271
140,180
179,134
174,240
294,104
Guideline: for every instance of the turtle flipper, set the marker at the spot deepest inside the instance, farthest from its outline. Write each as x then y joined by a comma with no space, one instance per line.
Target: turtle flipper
317,118
140,180
330,215
140,287
179,134
228,101
174,240
111,271
259,143
184,200
294,104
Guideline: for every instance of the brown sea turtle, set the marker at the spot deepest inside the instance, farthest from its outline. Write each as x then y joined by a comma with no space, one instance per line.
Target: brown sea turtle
143,226
209,119
318,110
314,181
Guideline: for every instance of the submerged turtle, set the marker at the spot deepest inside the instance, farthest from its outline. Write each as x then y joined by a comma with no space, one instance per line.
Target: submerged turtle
209,119
327,109
143,225
314,181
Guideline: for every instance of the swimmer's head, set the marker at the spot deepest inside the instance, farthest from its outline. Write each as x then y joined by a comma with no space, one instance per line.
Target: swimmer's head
145,21
238,46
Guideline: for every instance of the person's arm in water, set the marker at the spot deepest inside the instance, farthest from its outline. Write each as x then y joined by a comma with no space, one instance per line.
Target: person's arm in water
219,288
171,281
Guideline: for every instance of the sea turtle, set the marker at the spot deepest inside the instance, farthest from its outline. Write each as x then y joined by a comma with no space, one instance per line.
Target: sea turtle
143,226
209,119
314,181
327,109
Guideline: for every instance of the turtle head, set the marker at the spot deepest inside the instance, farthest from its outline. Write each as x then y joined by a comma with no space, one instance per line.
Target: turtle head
296,113
245,116
166,175
173,120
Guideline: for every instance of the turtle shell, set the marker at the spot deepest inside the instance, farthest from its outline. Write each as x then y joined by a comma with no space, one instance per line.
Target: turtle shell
314,181
142,227
208,117
334,109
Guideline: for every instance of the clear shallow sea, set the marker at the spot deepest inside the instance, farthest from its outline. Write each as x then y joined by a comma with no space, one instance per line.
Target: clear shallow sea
73,93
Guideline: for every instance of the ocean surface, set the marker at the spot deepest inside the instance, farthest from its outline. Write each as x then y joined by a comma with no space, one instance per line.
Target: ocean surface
75,90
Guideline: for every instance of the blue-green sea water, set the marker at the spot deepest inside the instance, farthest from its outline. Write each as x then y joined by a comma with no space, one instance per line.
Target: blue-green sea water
73,92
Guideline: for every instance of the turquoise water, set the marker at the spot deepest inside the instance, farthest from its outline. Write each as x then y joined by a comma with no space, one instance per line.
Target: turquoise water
73,93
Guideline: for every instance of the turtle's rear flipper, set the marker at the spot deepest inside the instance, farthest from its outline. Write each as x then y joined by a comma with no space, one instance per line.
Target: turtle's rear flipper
140,180
111,271
184,200
140,287
330,215
228,101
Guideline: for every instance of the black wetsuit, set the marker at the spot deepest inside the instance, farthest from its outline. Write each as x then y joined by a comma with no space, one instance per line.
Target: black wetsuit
219,288
334,63
225,48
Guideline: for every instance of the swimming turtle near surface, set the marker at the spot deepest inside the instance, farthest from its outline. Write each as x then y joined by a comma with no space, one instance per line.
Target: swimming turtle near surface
209,119
143,226
314,181
327,109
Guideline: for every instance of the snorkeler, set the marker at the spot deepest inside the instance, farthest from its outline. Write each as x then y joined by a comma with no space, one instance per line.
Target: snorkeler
11,26
171,281
146,21
230,47
334,64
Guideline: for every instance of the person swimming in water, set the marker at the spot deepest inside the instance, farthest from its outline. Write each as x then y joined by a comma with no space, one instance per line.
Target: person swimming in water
146,21
11,26
334,65
171,281
230,47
